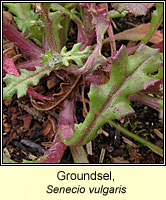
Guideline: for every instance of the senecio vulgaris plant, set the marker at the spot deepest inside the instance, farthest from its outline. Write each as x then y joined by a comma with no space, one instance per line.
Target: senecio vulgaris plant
133,72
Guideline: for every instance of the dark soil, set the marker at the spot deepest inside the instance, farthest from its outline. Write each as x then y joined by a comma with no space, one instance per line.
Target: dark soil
26,136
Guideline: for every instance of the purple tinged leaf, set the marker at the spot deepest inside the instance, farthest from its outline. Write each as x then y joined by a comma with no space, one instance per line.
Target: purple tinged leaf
158,46
135,8
29,65
46,45
27,47
101,21
55,152
138,33
93,61
66,119
66,127
86,35
147,100
9,66
48,26
155,87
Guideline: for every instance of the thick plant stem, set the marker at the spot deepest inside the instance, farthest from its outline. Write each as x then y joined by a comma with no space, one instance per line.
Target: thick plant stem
79,154
154,148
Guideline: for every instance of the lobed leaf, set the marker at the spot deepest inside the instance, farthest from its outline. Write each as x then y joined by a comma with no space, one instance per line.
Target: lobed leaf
129,75
86,35
75,54
19,85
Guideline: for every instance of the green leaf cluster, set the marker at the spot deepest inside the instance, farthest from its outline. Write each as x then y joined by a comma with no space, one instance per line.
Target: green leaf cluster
27,20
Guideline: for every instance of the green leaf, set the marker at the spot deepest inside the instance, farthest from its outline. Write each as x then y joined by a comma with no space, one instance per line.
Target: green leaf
75,54
21,10
26,20
115,14
157,18
36,34
56,6
56,19
19,85
129,75
51,25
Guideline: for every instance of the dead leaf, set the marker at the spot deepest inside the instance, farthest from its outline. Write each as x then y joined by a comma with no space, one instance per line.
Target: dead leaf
134,156
35,126
32,111
52,81
12,135
49,128
27,121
